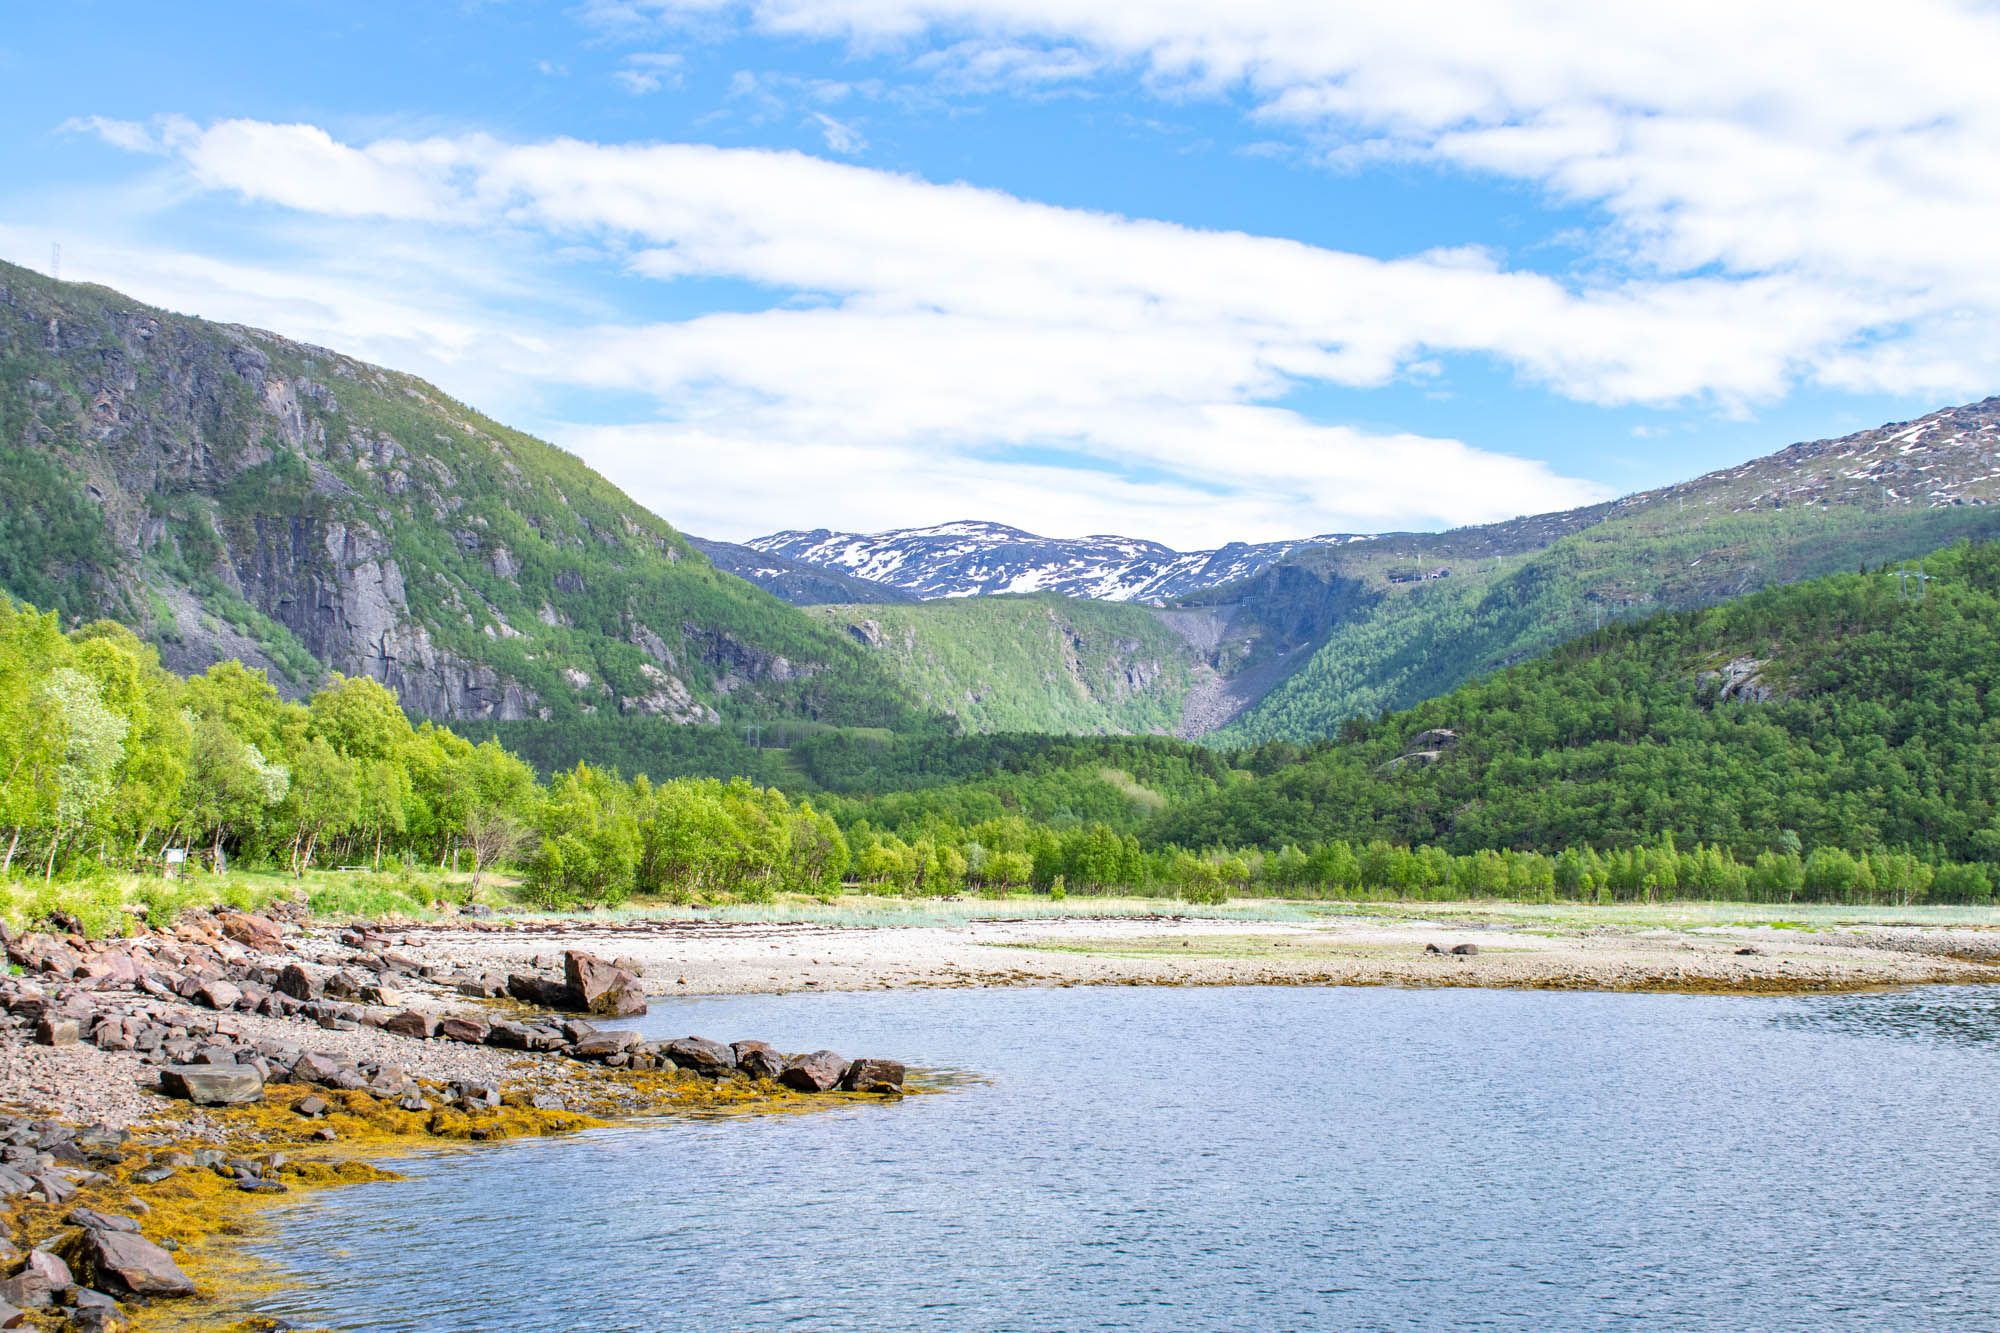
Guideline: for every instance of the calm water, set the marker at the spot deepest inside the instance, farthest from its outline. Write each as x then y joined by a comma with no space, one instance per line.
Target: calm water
1240,1159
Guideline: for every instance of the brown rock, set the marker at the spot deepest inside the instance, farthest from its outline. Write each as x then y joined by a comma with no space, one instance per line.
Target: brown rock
702,1055
253,931
213,1085
122,1261
604,988
541,992
52,1270
58,1030
27,1289
453,1027
11,1317
757,1059
873,1076
410,1023
819,1072
296,982
218,995
1465,950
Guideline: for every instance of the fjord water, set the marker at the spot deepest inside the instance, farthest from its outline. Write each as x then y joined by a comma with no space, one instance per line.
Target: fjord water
1237,1158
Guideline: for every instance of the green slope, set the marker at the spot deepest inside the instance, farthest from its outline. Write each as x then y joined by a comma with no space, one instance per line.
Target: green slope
1041,663
1879,728
230,493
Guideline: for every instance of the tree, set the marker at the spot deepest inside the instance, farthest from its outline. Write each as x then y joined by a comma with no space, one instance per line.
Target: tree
493,836
93,742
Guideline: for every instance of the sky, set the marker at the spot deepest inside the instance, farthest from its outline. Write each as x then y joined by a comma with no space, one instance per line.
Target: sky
1192,272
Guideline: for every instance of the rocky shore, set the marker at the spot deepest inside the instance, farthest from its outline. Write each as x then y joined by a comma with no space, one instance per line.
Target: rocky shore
156,1086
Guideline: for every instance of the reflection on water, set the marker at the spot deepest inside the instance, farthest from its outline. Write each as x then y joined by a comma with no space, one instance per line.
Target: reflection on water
1236,1158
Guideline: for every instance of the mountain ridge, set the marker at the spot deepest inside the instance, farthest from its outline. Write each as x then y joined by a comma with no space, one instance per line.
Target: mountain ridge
233,493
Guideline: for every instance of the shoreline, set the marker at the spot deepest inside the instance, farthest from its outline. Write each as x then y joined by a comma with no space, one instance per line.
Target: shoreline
683,958
403,1093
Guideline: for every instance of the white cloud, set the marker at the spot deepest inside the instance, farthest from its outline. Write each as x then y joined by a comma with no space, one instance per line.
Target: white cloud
840,136
649,71
1832,147
941,330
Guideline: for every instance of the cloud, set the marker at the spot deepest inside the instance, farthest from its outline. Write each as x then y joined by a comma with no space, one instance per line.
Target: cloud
840,137
649,71
914,331
1813,145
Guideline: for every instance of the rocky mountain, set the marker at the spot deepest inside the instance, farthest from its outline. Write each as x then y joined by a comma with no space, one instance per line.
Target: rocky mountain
1435,610
795,581
1297,637
974,559
231,493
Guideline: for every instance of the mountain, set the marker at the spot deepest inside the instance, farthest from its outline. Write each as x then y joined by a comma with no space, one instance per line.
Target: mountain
231,493
794,581
1435,610
1287,640
973,559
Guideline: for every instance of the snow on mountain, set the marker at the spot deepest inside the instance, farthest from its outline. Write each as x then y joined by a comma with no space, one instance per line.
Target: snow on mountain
970,559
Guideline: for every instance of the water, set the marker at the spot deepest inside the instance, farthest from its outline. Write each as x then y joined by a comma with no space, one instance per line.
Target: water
1243,1159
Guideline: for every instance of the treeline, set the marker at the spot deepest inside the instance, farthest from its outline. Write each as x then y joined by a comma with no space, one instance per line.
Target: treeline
1853,764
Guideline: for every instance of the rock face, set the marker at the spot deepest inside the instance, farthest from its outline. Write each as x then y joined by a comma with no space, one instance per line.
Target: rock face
122,1261
213,1085
286,477
603,988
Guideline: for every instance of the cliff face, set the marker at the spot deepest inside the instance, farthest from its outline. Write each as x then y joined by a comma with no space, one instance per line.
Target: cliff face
234,494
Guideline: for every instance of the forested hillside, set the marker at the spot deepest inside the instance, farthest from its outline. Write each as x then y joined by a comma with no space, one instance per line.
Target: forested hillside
1832,739
231,494
1812,737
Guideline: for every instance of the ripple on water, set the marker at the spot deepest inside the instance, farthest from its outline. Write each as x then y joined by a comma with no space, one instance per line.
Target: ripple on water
1199,1159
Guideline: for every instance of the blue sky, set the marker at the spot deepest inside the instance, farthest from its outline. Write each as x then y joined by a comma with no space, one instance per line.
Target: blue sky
1193,272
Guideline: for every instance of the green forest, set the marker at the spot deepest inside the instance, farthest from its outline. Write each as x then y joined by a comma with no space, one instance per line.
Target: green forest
1831,740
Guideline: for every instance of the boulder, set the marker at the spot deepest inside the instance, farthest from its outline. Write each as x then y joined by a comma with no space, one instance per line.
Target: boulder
603,988
873,1076
58,1030
52,1270
315,1068
410,1023
296,982
820,1071
27,1289
701,1055
603,1045
253,931
472,1031
1465,950
757,1059
542,992
92,1220
121,1261
312,1108
213,1085
218,995
11,1317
